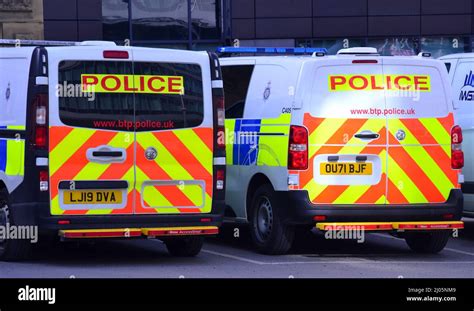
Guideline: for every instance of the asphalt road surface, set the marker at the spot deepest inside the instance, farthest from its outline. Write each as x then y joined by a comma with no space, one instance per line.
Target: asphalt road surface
313,256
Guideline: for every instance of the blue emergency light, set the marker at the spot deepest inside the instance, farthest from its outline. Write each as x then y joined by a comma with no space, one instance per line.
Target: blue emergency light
270,50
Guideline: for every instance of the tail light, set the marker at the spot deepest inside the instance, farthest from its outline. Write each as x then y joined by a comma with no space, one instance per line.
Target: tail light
116,54
220,111
220,178
298,148
44,180
457,155
40,105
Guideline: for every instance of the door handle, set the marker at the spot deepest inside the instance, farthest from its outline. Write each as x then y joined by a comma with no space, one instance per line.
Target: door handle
367,135
106,154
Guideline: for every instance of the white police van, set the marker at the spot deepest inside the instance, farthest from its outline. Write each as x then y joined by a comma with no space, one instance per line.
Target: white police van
105,141
461,75
351,141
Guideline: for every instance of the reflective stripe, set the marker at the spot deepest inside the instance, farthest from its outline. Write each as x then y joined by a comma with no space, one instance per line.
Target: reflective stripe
15,157
182,170
67,147
415,170
231,140
3,155
389,226
12,153
258,141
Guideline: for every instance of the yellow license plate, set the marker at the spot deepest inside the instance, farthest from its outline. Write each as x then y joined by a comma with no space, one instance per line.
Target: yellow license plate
335,168
93,197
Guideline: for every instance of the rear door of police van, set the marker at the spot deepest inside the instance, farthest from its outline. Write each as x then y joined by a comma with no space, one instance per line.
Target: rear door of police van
174,132
347,132
91,130
420,120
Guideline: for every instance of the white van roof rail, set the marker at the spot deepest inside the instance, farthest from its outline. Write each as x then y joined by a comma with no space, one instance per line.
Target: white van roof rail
18,42
358,51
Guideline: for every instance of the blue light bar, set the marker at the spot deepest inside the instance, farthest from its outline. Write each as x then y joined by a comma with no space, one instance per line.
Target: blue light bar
269,50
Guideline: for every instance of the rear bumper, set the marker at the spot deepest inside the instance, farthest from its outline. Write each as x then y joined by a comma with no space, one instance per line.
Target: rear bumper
35,213
297,209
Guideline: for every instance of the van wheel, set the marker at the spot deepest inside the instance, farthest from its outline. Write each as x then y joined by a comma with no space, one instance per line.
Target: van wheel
12,249
428,242
185,247
269,234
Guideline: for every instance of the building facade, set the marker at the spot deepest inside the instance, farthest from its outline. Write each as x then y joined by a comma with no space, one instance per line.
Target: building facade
21,19
187,24
403,27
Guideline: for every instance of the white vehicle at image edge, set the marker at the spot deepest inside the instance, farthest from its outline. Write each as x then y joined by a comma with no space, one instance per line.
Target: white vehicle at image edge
106,141
461,76
354,141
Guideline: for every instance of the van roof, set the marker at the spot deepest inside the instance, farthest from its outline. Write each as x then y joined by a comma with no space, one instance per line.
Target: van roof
457,56
310,59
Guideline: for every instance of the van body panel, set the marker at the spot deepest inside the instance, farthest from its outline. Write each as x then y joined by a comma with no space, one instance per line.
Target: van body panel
461,74
333,118
14,78
163,143
84,179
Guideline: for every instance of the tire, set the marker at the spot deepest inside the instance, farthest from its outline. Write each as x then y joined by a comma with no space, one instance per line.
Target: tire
431,242
269,235
185,246
12,249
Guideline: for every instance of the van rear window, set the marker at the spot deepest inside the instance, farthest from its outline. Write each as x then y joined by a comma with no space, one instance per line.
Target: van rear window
128,96
376,91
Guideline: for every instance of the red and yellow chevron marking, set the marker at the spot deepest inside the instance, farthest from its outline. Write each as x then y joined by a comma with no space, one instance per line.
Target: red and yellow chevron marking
417,170
68,161
420,165
335,136
185,161
185,157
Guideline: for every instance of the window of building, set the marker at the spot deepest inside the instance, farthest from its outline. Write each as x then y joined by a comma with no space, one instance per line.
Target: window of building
166,22
395,46
332,45
160,19
205,16
439,46
115,20
236,85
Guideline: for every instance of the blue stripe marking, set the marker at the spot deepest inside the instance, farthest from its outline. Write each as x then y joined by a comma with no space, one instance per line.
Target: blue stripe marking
248,145
235,150
3,152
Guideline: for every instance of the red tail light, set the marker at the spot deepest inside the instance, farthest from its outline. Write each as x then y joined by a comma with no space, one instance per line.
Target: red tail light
220,179
116,54
365,61
220,111
40,106
41,139
457,155
298,148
